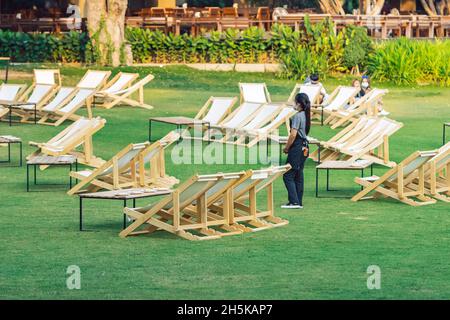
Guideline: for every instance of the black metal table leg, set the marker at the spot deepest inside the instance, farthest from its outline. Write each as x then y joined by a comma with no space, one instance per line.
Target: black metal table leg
81,213
70,177
328,179
443,133
21,153
28,177
10,116
35,174
9,152
124,215
317,183
7,72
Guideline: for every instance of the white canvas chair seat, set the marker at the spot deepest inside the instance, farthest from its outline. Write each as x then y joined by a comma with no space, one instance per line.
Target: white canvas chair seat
81,96
94,79
78,134
123,81
254,93
40,92
219,108
63,94
71,102
342,97
241,117
121,90
360,140
311,90
285,114
364,105
266,113
47,76
9,93
394,184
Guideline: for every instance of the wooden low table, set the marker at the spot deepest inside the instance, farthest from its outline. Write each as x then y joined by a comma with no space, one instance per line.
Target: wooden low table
15,105
341,165
45,160
444,138
9,140
177,121
123,195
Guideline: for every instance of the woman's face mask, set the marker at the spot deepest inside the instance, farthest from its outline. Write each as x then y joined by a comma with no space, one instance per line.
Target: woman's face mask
365,84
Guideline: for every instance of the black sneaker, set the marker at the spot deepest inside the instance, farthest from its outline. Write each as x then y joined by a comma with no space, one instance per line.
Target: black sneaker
291,206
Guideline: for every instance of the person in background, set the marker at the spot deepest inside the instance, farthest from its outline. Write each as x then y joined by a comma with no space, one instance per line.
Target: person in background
357,84
298,151
314,80
365,84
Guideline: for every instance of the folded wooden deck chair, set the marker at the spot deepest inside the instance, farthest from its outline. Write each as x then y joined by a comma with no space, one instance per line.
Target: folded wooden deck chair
220,192
243,207
364,105
9,93
55,114
169,213
367,138
437,175
337,100
392,183
73,138
121,88
254,93
45,84
127,169
253,136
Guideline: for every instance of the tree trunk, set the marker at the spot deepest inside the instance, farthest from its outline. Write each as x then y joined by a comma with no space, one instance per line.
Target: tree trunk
372,7
333,7
106,22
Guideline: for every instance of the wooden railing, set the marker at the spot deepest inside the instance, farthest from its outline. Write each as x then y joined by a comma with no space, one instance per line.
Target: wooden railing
198,20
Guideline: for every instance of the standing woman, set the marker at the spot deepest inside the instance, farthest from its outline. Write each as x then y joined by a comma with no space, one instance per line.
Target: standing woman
298,151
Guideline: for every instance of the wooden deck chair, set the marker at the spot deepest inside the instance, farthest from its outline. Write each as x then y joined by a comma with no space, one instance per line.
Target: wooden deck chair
62,97
437,175
168,213
9,93
220,192
311,90
214,111
254,93
127,169
78,134
367,138
265,115
45,85
121,90
91,82
263,133
94,79
392,183
337,100
364,105
243,208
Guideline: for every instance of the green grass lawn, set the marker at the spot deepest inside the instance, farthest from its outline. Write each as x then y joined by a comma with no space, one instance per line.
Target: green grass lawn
323,253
